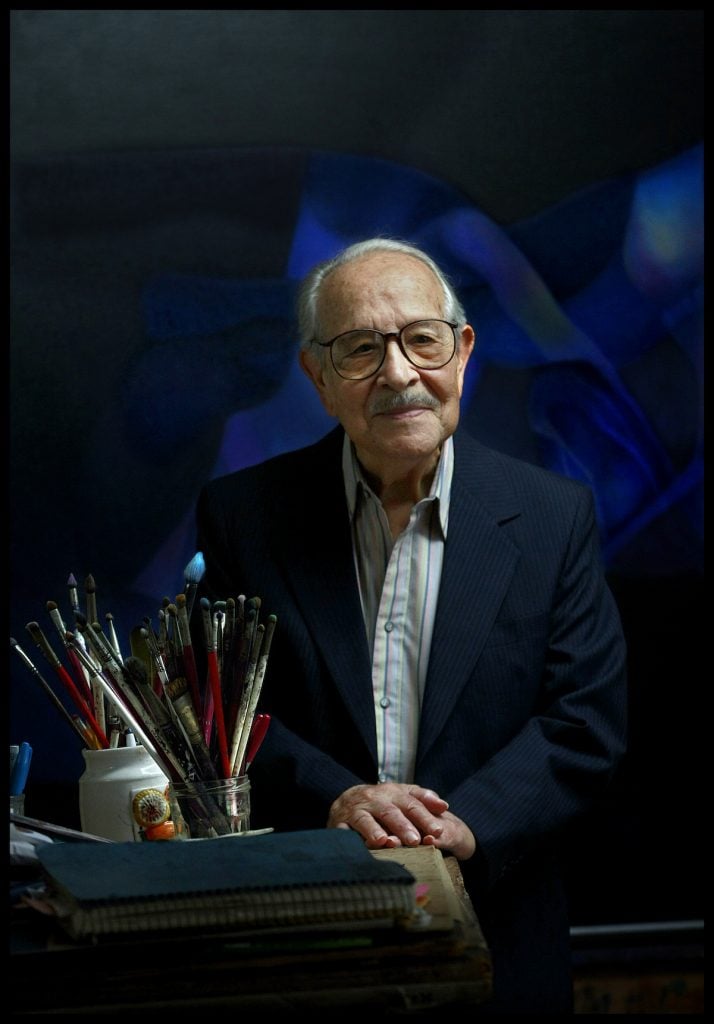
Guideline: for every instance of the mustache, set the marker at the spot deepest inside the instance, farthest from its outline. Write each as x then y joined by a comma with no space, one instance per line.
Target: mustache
390,401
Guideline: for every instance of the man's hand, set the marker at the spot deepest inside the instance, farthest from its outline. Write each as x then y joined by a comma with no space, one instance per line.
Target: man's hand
456,837
396,814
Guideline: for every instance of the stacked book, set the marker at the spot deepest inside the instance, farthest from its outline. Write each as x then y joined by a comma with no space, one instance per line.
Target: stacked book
316,879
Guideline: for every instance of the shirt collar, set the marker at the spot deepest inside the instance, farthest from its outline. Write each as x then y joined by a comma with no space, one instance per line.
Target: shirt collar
440,487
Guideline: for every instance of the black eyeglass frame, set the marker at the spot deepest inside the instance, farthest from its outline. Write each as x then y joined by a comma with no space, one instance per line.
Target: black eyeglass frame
391,334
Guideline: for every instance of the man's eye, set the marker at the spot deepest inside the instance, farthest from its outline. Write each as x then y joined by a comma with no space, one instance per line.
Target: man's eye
362,348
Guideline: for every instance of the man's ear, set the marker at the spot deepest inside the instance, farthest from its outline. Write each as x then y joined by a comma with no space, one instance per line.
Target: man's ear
313,367
463,353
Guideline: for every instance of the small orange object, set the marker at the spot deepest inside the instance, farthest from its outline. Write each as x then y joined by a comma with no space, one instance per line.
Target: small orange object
165,830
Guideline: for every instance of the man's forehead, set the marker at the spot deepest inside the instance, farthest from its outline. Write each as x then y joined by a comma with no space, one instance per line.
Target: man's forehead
380,274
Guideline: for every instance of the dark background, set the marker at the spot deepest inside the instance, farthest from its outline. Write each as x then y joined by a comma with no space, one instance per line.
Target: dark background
172,174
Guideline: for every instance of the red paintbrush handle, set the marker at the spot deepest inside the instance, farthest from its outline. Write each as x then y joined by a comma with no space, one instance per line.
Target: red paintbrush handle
215,683
81,703
257,735
84,688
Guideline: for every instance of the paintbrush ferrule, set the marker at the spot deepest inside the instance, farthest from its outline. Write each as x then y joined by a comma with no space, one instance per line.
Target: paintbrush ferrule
42,643
90,593
207,624
156,656
57,620
113,638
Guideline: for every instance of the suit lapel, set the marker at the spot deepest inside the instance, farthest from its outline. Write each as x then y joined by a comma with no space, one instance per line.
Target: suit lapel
319,565
479,562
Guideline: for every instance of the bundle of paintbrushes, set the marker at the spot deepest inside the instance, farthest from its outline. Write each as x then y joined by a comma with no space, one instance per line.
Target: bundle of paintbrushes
199,724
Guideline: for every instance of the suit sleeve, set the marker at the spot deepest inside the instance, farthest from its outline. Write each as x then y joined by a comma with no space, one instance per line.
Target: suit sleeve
565,753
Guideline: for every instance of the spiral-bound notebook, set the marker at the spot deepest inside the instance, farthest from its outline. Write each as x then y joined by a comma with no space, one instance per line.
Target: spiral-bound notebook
315,878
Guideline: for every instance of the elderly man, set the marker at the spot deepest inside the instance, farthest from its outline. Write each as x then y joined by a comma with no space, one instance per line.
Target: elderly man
448,664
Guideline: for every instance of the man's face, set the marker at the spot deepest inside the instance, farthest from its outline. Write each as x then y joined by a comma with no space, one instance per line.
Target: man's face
383,292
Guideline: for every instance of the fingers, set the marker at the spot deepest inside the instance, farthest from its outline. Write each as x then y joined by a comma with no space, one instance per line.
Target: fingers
432,801
372,843
369,823
456,838
389,814
399,821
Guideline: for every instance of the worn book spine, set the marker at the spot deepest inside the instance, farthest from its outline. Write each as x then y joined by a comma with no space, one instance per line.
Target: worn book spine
290,907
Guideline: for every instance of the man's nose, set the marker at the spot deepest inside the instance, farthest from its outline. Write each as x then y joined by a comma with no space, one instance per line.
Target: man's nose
396,371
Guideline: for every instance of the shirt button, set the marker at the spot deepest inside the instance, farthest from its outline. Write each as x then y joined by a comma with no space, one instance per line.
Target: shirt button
389,626
384,702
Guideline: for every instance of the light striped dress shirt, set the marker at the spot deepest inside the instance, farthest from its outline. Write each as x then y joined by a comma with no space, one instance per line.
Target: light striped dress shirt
399,586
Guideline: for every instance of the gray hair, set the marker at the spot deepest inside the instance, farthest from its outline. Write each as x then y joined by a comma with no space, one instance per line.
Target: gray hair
310,288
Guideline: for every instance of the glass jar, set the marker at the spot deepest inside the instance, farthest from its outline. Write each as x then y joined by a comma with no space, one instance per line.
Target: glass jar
205,810
108,785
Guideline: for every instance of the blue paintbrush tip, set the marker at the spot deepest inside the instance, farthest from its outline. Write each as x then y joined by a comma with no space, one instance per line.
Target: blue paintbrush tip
193,573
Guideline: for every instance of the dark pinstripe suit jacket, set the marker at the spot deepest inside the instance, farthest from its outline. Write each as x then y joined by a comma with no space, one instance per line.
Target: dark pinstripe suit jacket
523,717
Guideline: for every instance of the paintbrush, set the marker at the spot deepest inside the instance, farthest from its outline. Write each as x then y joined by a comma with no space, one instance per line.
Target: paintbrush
114,641
95,696
174,642
241,663
162,639
219,620
109,720
152,645
73,598
75,722
113,638
163,634
257,734
231,681
241,717
214,683
189,657
151,641
177,693
43,644
229,656
79,673
86,733
166,639
246,724
228,635
193,574
90,593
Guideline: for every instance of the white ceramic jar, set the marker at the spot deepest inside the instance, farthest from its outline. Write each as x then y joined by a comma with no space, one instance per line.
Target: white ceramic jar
108,785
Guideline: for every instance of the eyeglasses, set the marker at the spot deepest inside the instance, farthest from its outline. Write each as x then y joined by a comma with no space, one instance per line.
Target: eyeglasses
427,344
